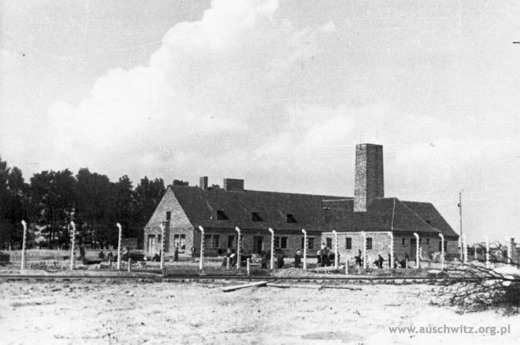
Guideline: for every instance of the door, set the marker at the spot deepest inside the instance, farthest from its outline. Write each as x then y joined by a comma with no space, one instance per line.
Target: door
413,248
258,242
151,244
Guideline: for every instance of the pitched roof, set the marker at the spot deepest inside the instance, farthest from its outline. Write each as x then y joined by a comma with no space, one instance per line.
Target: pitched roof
429,213
311,212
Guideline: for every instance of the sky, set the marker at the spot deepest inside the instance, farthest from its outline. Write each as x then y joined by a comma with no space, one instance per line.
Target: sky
275,92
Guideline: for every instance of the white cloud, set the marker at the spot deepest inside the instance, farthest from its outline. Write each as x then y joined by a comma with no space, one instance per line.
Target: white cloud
201,95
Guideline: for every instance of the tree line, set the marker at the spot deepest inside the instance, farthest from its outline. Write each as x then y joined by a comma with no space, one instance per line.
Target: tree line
52,199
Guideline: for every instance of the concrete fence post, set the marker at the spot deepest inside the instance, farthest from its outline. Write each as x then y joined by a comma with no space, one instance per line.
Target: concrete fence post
391,263
336,247
487,251
442,251
163,232
248,266
239,247
510,249
119,246
417,250
304,249
24,240
201,259
271,263
364,249
228,263
72,245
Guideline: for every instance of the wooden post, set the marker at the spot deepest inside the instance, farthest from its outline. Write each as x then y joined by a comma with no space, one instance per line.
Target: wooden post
119,246
238,247
487,252
248,263
304,249
465,249
201,260
364,249
271,264
228,263
442,251
336,257
391,263
24,240
72,245
346,267
475,253
129,263
417,250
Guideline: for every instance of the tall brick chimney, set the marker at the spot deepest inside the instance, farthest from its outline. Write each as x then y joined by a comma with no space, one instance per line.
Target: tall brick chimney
369,183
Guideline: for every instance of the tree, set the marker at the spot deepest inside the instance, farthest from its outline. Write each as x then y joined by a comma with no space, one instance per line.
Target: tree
14,204
180,183
54,197
93,197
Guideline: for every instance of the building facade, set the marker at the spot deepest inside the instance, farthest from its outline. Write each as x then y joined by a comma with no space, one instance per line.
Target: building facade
369,219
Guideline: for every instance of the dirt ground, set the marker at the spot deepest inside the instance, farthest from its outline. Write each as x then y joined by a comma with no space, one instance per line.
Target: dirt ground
191,313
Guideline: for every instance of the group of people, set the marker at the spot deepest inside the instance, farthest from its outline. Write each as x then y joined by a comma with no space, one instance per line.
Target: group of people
325,256
379,262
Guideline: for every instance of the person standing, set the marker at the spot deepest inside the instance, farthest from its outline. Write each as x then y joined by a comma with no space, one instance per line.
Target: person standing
176,254
298,259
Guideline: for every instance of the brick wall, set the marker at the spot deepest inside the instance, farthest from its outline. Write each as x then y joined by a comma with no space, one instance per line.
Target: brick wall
178,224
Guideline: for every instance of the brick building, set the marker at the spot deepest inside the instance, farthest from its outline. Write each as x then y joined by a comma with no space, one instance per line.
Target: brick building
368,218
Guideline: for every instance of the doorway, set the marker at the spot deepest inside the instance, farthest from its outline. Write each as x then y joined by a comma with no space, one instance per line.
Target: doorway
413,248
258,244
151,244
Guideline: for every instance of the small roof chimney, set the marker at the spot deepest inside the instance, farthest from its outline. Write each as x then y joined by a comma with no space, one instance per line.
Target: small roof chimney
233,185
369,183
203,183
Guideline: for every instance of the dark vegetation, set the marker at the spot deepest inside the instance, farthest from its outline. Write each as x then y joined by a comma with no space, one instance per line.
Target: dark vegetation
490,289
52,199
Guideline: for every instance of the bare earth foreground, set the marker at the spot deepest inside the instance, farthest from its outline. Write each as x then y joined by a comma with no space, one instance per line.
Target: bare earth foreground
191,313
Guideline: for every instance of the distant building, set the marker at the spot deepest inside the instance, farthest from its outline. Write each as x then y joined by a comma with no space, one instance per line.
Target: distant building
368,214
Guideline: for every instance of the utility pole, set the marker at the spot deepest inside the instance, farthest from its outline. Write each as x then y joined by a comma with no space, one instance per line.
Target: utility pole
460,217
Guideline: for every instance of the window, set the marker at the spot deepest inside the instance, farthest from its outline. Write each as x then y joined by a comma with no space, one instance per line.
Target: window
231,241
369,243
179,241
168,215
216,241
255,217
440,246
427,241
310,242
329,242
159,239
280,242
404,242
290,218
211,241
348,243
221,215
